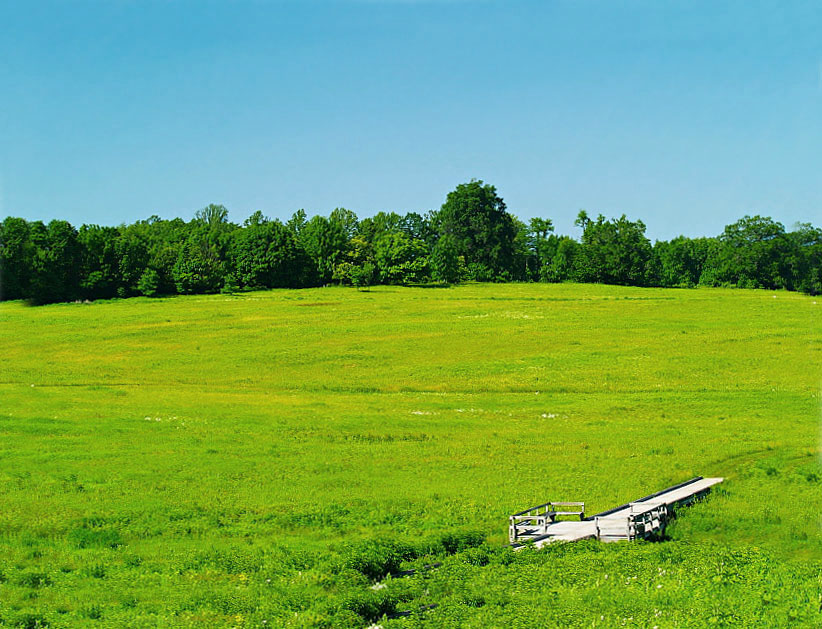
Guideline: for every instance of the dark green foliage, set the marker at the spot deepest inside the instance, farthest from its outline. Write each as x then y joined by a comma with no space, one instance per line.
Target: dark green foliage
401,259
30,621
198,268
472,237
133,254
97,571
461,540
325,241
100,274
444,260
266,254
417,227
376,559
370,229
94,612
363,275
34,580
755,252
805,260
164,238
90,535
212,216
149,283
475,216
56,263
681,261
373,605
17,253
536,246
562,264
613,252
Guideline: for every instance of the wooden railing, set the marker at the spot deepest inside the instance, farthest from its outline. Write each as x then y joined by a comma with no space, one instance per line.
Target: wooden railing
643,519
612,528
534,521
647,518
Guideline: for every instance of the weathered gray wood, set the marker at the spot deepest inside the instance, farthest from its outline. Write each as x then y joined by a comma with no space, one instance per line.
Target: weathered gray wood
639,519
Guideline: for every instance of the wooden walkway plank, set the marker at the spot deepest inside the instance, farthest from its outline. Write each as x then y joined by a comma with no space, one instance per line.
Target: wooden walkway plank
639,519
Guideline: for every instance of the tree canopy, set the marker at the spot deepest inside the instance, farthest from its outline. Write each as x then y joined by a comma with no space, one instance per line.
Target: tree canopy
471,237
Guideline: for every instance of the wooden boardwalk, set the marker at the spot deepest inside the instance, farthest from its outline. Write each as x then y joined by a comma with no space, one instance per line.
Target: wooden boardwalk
639,519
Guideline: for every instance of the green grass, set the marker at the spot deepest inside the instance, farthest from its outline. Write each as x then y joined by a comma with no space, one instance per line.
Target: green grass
229,460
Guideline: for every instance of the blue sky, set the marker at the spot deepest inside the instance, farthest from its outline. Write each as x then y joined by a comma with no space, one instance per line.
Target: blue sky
687,115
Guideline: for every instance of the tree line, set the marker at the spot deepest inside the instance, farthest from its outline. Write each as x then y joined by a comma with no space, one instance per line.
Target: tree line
472,237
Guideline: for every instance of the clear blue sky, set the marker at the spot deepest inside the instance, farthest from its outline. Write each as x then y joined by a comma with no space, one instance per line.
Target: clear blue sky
686,115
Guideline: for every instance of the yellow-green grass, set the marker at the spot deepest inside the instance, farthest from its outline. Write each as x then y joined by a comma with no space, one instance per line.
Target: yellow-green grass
138,436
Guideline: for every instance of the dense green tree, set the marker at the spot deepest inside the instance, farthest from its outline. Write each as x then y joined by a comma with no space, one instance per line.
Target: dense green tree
149,283
211,223
523,264
562,266
471,237
805,261
346,220
535,245
417,227
382,222
256,218
198,268
755,253
17,253
325,243
681,261
57,264
613,251
212,215
475,216
265,255
165,239
358,256
444,261
401,259
100,270
133,257
254,253
363,275
296,223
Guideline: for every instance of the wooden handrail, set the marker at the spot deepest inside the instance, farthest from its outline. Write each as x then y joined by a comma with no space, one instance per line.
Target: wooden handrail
526,511
551,504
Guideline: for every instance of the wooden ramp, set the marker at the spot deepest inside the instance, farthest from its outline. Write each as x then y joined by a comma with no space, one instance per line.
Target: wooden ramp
639,519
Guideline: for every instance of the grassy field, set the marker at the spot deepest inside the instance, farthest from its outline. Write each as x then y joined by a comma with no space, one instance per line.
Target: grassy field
263,459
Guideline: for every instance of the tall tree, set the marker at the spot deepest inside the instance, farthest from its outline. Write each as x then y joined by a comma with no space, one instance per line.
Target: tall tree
562,266
806,258
445,263
613,251
100,272
198,268
265,255
681,261
754,254
475,216
325,242
382,222
401,259
133,257
538,246
17,253
57,264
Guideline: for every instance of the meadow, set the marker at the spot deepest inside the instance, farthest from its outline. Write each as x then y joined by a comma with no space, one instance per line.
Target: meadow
269,459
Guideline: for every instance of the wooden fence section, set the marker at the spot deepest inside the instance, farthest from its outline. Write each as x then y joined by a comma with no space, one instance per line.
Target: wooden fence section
639,519
536,520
